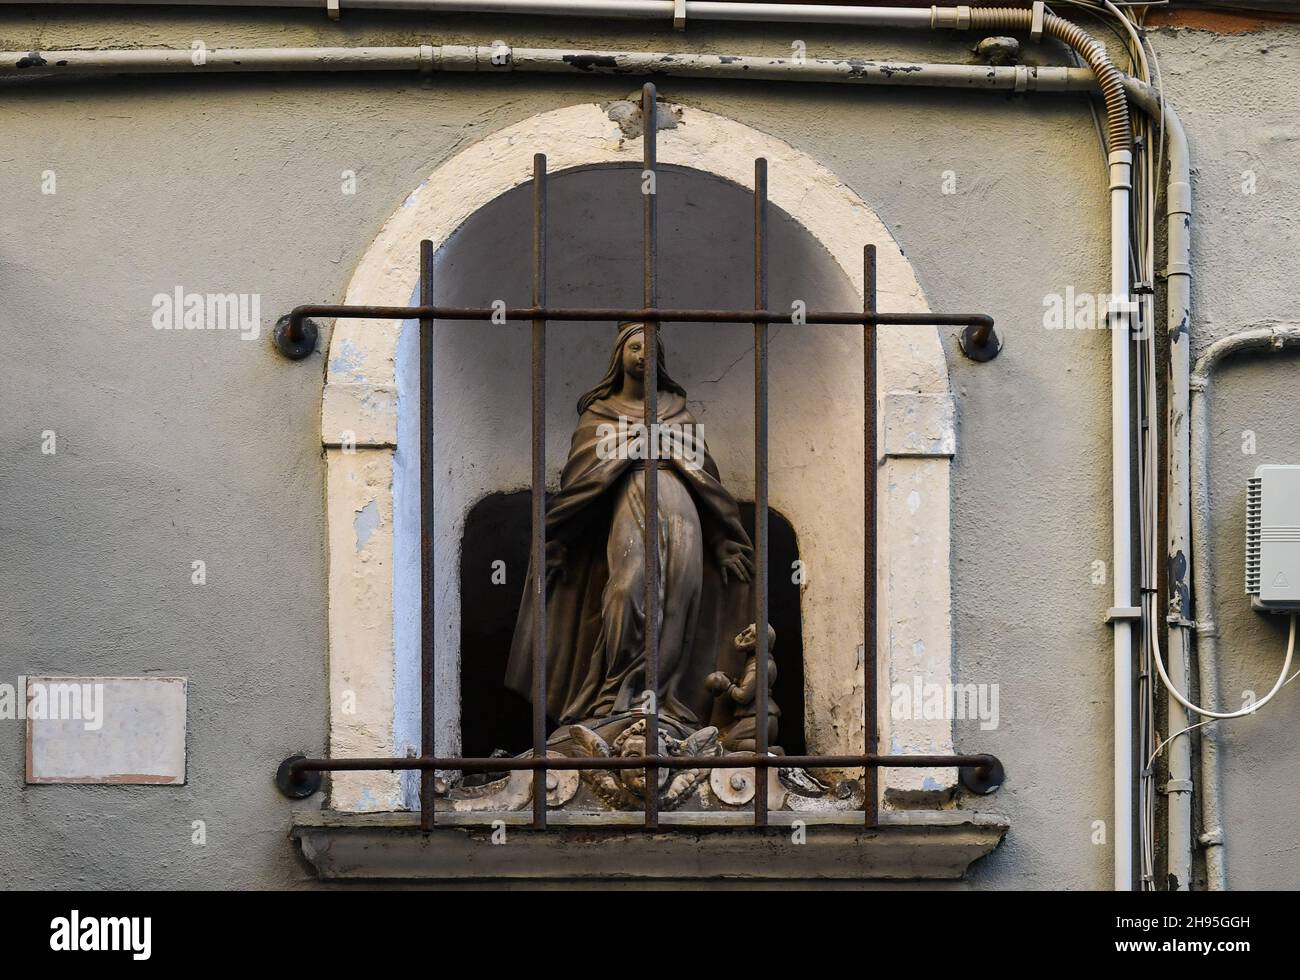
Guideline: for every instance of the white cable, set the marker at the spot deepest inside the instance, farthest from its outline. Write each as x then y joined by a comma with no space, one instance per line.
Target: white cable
1200,724
1281,679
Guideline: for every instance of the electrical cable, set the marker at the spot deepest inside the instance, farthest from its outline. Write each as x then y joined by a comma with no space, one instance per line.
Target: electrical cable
1221,715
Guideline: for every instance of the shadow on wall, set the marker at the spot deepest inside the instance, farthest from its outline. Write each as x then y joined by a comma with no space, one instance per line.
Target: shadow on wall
493,717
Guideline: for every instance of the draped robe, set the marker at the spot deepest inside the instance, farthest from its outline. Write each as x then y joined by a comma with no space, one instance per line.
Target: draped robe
595,637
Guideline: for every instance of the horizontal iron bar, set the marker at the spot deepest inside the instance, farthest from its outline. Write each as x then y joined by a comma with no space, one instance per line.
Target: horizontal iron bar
648,313
738,761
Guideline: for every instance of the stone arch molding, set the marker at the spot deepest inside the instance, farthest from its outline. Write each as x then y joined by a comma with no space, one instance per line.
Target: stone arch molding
373,626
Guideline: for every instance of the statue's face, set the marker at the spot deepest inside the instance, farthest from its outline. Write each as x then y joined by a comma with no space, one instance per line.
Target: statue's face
634,356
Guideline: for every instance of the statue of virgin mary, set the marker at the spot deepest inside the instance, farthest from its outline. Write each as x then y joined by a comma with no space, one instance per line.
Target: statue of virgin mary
595,562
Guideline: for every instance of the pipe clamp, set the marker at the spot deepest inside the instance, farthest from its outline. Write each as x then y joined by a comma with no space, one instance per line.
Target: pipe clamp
332,9
1116,613
1036,21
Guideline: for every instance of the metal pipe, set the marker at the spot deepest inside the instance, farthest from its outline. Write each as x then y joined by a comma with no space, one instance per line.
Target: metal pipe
649,288
658,314
501,59
538,490
870,572
982,762
428,672
760,486
1272,338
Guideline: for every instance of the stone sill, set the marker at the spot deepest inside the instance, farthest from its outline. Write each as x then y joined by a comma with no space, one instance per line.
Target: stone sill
907,846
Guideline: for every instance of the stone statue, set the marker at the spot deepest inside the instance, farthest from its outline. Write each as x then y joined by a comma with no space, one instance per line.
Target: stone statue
595,567
597,701
741,734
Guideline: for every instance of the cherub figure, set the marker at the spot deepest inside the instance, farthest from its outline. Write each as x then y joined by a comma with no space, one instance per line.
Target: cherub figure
742,733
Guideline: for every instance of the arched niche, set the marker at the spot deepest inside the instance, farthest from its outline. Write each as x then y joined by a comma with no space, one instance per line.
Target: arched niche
475,209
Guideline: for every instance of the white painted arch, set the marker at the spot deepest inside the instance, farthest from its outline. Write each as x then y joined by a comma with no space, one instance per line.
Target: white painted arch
371,709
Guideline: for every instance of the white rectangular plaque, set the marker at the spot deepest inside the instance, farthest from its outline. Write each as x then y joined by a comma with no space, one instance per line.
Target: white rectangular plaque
118,730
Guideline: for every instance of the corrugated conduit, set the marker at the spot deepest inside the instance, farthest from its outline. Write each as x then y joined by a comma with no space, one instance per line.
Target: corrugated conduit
1119,132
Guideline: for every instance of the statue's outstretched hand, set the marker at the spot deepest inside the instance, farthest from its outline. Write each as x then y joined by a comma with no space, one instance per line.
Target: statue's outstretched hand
735,558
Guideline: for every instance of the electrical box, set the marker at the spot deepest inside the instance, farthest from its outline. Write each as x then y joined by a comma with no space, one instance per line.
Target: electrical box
1273,539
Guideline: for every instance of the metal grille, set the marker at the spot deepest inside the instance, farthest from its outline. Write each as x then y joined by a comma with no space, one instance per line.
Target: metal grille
979,341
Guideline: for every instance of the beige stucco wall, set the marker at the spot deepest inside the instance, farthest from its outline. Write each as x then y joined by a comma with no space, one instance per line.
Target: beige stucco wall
203,446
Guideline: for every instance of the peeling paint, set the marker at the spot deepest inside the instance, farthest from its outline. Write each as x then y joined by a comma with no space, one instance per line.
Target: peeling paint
590,62
627,114
348,360
1179,331
889,71
365,522
1180,600
414,196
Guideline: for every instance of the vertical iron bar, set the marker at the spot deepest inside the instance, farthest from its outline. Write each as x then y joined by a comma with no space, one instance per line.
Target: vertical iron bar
871,723
760,489
649,272
539,490
427,673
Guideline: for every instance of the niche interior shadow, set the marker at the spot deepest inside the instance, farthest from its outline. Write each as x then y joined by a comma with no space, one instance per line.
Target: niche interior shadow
493,717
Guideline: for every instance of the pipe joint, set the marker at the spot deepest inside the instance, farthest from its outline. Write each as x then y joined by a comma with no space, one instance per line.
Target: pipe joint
952,18
1179,195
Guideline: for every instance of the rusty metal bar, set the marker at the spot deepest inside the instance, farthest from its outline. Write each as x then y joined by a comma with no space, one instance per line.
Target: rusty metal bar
539,490
428,685
982,332
587,314
870,473
649,284
760,485
980,761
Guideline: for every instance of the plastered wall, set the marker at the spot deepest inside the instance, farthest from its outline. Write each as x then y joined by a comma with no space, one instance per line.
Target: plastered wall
176,447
